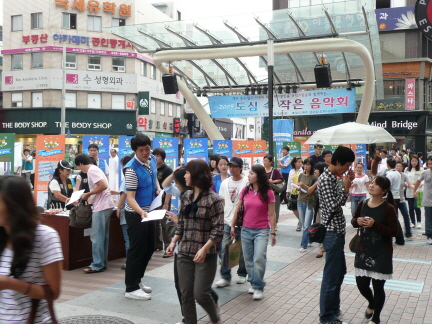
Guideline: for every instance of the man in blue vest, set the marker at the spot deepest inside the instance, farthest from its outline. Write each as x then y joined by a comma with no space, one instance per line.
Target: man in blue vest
27,165
285,164
141,188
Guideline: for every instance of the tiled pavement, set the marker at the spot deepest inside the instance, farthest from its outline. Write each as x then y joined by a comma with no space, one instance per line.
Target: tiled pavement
291,294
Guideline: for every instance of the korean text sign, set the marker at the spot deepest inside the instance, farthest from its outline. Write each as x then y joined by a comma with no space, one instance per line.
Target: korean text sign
195,148
223,147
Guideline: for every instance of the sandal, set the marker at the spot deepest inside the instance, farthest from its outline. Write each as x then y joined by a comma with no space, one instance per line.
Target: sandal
91,270
367,314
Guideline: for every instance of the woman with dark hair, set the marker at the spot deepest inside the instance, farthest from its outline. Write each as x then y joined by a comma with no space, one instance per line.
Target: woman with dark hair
375,165
60,187
413,171
259,221
30,255
213,163
274,177
292,192
374,257
199,232
305,201
222,167
81,181
358,187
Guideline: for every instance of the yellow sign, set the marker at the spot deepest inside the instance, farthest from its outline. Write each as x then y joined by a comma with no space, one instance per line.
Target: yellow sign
94,6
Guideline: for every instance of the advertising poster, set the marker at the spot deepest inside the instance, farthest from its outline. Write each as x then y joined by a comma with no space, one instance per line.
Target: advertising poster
103,142
283,130
195,148
295,148
170,145
124,149
304,150
71,151
244,150
7,145
50,149
223,147
360,153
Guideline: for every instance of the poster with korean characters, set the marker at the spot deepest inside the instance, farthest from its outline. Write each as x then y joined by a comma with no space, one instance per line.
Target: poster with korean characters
304,150
223,147
103,142
7,145
50,149
360,153
170,145
195,148
244,150
124,149
259,151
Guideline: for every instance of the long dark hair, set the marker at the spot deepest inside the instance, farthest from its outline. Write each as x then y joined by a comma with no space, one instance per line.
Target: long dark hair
294,161
214,157
418,163
220,157
385,184
22,219
262,181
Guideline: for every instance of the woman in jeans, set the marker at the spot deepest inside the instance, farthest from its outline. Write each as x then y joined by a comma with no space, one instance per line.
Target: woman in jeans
413,171
292,192
359,187
259,221
305,201
199,232
274,177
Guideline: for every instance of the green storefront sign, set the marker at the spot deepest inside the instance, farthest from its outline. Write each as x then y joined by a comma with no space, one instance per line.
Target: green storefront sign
143,102
7,145
78,121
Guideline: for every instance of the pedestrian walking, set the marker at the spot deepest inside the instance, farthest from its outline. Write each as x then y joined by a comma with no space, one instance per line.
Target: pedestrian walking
402,206
274,177
374,257
259,222
213,164
426,176
413,171
222,167
359,187
27,165
285,164
292,192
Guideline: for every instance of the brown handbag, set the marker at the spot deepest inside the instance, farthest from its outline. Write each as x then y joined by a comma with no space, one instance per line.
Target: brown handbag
49,296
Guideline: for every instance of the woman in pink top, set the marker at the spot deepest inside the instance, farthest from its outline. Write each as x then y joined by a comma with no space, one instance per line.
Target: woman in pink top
259,222
359,187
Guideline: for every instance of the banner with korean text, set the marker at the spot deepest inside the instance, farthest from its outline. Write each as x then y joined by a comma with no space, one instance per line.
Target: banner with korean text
7,146
333,101
195,148
360,153
124,149
410,95
304,150
50,149
223,147
259,151
103,142
283,130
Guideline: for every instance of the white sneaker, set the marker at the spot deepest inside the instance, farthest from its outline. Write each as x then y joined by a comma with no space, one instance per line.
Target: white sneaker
241,280
418,225
138,294
222,283
429,240
413,226
251,290
144,288
258,294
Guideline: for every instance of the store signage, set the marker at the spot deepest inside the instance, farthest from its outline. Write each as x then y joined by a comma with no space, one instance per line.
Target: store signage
396,124
398,73
143,102
76,39
177,126
92,6
304,132
142,122
423,17
396,18
226,128
410,94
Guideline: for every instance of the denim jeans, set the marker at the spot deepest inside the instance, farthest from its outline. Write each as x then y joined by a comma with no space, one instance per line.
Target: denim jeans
414,210
306,217
404,210
333,275
100,238
428,221
125,236
254,245
241,271
354,203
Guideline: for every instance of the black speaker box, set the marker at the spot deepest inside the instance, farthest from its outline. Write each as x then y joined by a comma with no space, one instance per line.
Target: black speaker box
170,83
323,76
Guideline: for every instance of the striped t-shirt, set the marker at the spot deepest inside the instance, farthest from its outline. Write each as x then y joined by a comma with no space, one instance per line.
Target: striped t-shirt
14,306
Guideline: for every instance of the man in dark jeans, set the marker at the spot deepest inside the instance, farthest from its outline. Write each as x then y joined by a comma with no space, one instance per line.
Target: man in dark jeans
285,164
141,188
332,197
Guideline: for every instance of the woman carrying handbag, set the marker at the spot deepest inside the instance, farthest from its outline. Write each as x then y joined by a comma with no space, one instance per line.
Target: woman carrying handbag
30,257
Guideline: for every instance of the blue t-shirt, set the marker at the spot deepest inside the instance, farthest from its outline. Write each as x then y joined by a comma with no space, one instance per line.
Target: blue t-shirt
284,160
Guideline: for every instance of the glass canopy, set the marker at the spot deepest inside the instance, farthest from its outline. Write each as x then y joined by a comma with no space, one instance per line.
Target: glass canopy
351,19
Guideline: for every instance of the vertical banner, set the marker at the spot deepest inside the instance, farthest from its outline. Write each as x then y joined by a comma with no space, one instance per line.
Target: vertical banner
244,150
143,103
195,148
124,149
259,151
50,149
102,141
223,147
360,153
304,150
7,146
170,145
283,130
410,94
71,151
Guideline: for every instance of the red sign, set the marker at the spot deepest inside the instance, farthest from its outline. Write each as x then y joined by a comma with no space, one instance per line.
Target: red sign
177,126
142,122
410,94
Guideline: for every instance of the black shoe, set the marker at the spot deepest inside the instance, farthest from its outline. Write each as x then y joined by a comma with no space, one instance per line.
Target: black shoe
367,315
400,243
123,267
166,256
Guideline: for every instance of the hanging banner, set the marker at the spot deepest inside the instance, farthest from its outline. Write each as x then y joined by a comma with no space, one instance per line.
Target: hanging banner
124,149
223,147
102,141
283,130
195,148
244,150
50,149
143,103
316,102
410,94
7,146
170,145
360,153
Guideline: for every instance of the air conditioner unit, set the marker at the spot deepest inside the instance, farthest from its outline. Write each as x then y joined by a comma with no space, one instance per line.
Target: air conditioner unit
71,65
118,68
94,66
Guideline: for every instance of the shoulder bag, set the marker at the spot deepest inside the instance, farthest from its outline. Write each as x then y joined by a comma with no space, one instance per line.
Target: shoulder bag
353,244
49,296
240,212
278,187
81,215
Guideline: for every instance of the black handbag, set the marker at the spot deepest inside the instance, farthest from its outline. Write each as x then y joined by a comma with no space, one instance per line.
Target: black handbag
317,231
81,215
353,244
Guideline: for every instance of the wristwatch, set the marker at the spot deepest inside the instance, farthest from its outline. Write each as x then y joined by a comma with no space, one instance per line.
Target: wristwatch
273,234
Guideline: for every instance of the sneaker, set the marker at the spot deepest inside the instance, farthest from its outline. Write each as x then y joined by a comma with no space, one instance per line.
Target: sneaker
429,240
418,225
241,280
409,238
138,294
251,290
222,283
258,294
413,225
298,229
144,288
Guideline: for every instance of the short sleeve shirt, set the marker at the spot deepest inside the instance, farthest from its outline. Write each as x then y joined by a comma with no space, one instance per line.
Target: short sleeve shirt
426,176
102,200
255,210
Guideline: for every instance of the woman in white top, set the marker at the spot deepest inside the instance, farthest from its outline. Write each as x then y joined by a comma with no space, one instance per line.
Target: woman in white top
30,255
291,192
413,171
359,187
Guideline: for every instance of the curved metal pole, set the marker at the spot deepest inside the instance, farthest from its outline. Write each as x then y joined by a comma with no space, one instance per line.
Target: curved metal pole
329,45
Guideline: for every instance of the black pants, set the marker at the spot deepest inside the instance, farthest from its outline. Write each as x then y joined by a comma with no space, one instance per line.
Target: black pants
399,237
162,238
376,299
141,248
283,197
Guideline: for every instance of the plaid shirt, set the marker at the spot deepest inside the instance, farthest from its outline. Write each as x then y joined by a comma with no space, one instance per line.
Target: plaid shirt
332,197
207,226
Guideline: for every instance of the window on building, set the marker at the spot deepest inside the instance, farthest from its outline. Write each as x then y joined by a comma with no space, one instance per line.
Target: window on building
17,98
94,23
118,101
94,62
37,99
118,22
94,100
152,72
36,20
69,20
71,61
37,60
153,107
71,100
143,68
17,23
178,114
119,64
170,110
162,110
17,62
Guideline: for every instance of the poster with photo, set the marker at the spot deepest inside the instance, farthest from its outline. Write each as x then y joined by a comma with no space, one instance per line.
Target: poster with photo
103,142
124,149
223,147
195,148
7,146
71,151
170,146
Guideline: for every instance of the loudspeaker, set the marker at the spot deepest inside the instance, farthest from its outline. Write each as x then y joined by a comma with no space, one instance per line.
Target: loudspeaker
323,76
170,83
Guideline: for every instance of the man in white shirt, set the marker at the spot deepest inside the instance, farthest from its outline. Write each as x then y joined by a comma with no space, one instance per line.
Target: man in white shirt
113,170
382,168
230,191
